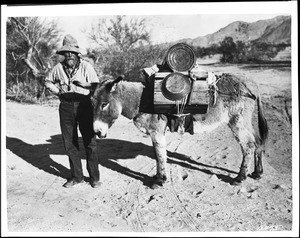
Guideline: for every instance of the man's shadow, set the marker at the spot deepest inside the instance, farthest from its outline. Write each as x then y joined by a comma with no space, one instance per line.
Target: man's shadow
39,155
109,151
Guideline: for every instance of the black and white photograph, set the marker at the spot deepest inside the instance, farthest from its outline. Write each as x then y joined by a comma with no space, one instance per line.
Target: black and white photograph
150,119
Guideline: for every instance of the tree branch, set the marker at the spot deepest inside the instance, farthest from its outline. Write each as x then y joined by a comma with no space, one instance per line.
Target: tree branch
21,31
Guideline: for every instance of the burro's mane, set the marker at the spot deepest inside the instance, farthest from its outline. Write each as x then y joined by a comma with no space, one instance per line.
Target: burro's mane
130,90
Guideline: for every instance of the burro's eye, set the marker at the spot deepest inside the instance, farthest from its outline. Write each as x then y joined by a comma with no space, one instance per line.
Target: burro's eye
104,105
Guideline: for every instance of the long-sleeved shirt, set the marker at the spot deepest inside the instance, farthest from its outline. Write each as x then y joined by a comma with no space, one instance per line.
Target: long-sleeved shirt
58,80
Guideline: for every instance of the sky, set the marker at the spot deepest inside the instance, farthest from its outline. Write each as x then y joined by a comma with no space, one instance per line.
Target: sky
165,28
166,21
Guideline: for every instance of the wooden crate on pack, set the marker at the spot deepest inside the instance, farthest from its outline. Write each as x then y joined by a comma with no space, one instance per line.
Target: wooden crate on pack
197,98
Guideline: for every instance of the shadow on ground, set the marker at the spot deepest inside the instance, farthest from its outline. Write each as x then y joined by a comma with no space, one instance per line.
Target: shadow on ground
110,151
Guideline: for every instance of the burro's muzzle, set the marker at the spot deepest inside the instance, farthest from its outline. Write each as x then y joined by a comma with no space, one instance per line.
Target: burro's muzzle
100,128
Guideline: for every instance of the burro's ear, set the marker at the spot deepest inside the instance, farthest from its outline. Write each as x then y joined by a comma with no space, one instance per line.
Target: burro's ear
114,84
86,85
120,78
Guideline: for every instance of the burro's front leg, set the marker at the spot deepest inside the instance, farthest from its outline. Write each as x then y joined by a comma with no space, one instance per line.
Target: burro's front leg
155,125
160,152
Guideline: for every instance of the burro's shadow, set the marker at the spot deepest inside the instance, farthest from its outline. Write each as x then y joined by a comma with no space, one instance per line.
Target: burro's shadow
109,152
112,150
187,162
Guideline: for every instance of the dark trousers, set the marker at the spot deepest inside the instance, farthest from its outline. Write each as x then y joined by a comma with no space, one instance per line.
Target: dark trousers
73,114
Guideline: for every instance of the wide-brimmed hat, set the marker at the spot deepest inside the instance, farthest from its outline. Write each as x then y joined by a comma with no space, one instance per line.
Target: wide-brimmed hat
70,44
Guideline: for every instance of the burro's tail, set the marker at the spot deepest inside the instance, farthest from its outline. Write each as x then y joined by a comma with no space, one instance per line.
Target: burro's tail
262,122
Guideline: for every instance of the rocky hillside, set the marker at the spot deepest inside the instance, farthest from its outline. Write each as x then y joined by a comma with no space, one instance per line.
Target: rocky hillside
278,33
275,30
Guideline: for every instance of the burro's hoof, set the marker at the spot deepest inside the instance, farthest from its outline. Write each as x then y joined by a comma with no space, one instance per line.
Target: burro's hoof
156,186
157,182
255,176
237,180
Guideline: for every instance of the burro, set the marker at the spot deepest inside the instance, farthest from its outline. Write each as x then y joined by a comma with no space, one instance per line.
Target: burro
235,101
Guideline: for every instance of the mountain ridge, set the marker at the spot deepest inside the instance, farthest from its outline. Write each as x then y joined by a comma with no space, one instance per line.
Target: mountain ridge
275,31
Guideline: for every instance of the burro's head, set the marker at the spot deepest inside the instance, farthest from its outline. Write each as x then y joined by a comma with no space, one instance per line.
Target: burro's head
106,104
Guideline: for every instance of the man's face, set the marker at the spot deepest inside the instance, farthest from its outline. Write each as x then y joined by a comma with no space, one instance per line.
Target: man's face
70,59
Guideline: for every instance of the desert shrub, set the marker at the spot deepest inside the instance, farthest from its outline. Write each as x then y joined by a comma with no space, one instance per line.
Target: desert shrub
123,47
29,92
243,52
262,51
201,52
30,42
228,50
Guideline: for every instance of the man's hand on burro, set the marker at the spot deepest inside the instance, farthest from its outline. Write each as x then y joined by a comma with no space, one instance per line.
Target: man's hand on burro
86,85
78,83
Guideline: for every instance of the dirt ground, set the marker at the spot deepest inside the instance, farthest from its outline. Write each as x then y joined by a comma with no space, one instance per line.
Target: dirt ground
197,198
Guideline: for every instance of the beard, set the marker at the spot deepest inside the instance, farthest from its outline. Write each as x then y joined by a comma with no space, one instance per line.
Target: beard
71,61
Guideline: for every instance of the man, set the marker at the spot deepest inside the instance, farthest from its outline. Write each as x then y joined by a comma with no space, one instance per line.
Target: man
75,110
